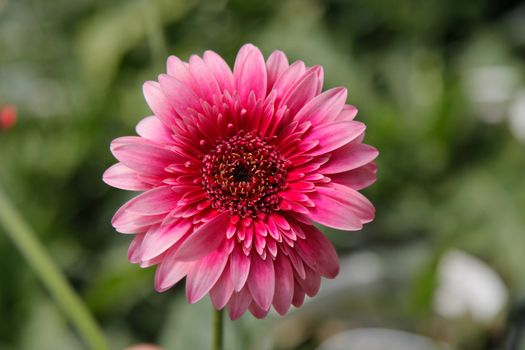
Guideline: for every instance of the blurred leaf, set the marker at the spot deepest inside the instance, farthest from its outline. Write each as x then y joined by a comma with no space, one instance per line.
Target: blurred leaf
106,37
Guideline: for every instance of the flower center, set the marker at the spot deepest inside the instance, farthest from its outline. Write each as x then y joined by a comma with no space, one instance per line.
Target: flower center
243,175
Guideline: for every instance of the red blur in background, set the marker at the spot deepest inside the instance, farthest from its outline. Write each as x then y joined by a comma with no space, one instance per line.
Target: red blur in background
7,117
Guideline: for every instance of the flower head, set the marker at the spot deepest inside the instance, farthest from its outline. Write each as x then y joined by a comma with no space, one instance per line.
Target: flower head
235,168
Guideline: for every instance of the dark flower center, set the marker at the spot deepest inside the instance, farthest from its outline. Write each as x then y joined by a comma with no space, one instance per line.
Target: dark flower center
243,175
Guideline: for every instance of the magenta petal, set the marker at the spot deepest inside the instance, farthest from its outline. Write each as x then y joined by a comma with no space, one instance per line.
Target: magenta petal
261,281
351,199
156,201
334,135
257,311
298,295
239,303
171,271
120,176
311,283
332,213
318,252
222,290
208,85
288,79
158,103
308,87
143,211
205,239
143,156
296,262
276,64
240,268
323,108
220,70
204,274
135,249
348,157
153,129
180,71
179,95
250,73
161,238
284,282
348,113
125,222
358,178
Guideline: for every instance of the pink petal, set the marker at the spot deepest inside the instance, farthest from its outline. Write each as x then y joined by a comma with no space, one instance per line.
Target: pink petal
125,222
324,108
158,103
220,70
143,156
205,239
171,271
261,281
318,252
120,176
180,71
297,262
284,282
311,283
257,311
333,135
332,213
179,95
348,113
134,250
203,275
240,268
161,238
239,303
207,83
153,129
159,200
152,262
307,88
348,157
222,290
351,199
276,64
358,178
298,295
143,211
288,79
250,73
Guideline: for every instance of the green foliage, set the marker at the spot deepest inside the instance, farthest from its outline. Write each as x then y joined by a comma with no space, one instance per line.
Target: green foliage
434,82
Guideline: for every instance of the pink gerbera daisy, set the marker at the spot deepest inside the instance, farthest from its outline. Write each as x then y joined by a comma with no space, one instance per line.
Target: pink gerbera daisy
236,169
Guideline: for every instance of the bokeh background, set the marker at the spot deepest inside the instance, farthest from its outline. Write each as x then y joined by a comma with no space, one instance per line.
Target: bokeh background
441,87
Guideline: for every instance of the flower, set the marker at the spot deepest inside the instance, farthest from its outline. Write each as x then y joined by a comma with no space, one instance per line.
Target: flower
236,168
7,117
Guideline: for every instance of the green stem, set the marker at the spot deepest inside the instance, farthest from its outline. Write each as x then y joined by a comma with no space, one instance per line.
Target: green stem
217,339
44,267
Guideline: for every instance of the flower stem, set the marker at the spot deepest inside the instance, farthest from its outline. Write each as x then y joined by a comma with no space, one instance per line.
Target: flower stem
44,267
217,340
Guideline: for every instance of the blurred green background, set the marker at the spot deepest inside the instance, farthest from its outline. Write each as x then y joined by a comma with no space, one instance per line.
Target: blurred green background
440,85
